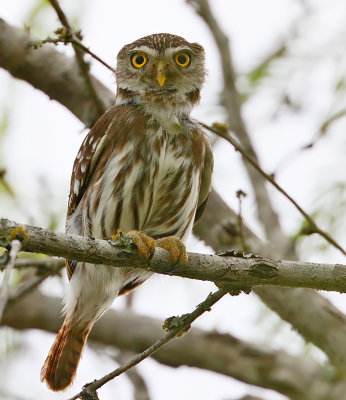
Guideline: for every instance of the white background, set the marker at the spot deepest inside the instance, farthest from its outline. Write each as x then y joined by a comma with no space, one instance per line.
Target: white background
42,139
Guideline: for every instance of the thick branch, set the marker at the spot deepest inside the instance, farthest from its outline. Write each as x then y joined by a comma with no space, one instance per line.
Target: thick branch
50,71
299,378
238,272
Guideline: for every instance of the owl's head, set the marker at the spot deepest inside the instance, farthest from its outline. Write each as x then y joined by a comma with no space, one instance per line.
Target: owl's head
163,69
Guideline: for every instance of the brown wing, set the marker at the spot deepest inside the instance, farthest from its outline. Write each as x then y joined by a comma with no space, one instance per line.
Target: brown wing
87,158
84,165
205,182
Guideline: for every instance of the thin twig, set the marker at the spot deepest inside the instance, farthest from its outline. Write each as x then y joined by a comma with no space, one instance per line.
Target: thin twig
237,125
15,248
86,50
83,66
224,133
5,183
332,119
174,325
139,385
77,42
298,377
231,100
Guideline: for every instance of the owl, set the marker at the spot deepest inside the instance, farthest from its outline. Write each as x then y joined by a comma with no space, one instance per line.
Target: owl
145,168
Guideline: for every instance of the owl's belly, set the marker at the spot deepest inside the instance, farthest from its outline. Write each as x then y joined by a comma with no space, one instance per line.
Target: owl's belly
173,205
158,197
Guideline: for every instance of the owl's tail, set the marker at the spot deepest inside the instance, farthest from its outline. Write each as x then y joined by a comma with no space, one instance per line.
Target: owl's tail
61,364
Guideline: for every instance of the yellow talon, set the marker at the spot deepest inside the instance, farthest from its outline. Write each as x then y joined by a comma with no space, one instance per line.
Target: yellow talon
117,235
144,243
175,247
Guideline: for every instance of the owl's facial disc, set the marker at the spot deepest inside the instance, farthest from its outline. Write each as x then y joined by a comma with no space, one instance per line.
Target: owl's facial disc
154,70
161,70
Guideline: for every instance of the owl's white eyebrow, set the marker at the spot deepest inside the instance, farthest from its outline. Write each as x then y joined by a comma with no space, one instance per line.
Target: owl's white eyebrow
145,49
154,53
174,50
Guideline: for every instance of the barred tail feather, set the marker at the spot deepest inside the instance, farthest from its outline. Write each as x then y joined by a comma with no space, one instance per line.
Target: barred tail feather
62,361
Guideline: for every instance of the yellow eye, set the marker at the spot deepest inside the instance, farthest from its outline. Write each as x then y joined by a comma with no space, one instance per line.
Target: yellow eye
138,60
182,59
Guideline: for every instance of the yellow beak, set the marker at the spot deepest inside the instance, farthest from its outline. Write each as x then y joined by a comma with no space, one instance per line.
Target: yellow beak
161,76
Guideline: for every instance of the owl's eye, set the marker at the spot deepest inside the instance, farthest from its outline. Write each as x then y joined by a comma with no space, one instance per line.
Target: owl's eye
138,60
182,59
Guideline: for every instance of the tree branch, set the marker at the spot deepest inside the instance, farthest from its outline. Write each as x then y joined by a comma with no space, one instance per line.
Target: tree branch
231,100
174,326
313,228
141,391
238,272
310,313
298,377
50,71
83,66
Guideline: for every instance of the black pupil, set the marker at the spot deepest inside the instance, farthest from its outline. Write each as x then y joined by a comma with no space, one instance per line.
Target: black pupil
181,59
139,60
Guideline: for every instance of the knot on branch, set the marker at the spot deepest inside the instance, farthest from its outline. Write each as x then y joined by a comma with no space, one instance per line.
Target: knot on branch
177,323
88,392
264,269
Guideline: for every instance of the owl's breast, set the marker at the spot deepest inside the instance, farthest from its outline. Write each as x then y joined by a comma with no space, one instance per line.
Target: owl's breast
172,195
152,185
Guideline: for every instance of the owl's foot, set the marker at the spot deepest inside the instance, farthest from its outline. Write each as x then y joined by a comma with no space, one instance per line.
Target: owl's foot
176,249
144,243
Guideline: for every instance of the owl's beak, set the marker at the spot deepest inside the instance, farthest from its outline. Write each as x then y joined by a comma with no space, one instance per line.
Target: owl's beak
161,75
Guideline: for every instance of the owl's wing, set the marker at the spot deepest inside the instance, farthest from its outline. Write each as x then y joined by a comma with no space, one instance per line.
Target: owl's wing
87,158
84,166
205,182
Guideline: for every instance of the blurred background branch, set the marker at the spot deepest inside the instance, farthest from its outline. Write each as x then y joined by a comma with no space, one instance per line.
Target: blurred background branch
298,377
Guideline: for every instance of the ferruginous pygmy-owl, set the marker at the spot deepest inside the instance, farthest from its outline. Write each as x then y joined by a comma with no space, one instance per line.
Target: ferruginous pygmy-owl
144,167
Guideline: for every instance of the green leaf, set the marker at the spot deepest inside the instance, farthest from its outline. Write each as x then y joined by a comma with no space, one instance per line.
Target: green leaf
122,241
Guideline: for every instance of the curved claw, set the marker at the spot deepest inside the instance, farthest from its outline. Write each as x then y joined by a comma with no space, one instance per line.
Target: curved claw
176,249
144,243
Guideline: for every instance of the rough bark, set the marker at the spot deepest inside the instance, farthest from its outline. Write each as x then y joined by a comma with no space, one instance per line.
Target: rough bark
237,272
